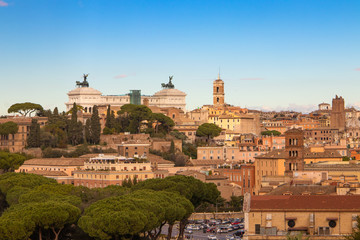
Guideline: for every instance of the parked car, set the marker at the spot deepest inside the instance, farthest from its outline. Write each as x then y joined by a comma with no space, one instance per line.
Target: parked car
229,237
222,230
236,227
211,229
239,233
212,237
188,231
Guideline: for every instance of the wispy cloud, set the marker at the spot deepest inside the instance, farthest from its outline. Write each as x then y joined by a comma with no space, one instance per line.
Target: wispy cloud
251,79
121,76
3,3
357,69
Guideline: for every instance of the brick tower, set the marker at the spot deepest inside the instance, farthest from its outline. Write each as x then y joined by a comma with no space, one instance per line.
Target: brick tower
337,114
218,92
294,148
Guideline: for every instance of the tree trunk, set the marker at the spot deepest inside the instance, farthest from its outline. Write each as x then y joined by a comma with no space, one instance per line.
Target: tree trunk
170,231
160,230
40,235
56,233
182,228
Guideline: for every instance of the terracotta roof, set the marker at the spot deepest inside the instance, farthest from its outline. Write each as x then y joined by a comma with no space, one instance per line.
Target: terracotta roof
301,189
195,162
305,203
92,155
48,173
157,159
55,162
216,177
189,173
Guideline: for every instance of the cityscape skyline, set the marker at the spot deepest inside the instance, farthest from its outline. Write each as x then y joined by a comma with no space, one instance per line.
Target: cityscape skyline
306,51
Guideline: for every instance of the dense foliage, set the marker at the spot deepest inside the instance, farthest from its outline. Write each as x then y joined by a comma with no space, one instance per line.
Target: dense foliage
25,108
34,138
271,133
9,162
37,207
8,128
208,130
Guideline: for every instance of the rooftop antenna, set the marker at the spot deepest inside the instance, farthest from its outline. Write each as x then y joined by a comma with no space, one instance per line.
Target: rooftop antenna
219,73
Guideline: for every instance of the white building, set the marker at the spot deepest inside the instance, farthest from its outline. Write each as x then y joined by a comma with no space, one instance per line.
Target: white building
87,97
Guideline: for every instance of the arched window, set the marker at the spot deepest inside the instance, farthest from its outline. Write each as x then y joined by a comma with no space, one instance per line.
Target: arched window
217,100
217,89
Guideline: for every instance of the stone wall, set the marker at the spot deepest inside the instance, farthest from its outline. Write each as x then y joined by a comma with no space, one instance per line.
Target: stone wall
218,215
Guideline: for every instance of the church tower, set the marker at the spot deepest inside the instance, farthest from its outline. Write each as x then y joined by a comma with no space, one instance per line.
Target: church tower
218,92
294,149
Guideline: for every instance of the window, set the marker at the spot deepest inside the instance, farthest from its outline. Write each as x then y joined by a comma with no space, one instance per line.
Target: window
257,228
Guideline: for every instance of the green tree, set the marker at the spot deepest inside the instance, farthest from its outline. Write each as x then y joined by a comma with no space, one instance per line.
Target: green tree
57,126
88,131
25,108
193,189
271,133
110,118
236,202
34,139
136,115
23,182
163,124
75,129
9,162
172,147
95,127
208,130
8,128
54,192
40,216
355,235
78,109
112,218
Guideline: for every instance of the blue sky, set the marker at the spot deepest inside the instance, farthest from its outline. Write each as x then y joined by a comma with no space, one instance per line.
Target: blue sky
272,54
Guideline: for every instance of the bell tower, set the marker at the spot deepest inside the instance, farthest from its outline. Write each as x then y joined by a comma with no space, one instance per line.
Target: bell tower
218,92
294,148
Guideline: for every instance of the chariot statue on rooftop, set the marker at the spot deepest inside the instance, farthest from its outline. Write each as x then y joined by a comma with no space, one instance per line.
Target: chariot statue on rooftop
168,85
84,83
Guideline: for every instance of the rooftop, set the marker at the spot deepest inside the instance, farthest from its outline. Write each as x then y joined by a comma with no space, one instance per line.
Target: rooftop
66,162
305,203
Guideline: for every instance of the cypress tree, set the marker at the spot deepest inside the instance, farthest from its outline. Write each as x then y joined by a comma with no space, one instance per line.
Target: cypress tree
72,126
34,137
172,147
95,127
112,119
108,122
75,128
88,131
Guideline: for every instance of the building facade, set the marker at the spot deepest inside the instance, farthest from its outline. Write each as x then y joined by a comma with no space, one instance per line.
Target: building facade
103,171
88,97
318,217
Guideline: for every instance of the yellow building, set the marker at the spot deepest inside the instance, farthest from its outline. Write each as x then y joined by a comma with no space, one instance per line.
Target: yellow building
318,217
337,171
61,169
103,171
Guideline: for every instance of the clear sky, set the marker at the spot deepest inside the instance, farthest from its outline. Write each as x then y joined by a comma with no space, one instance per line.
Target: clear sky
279,54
